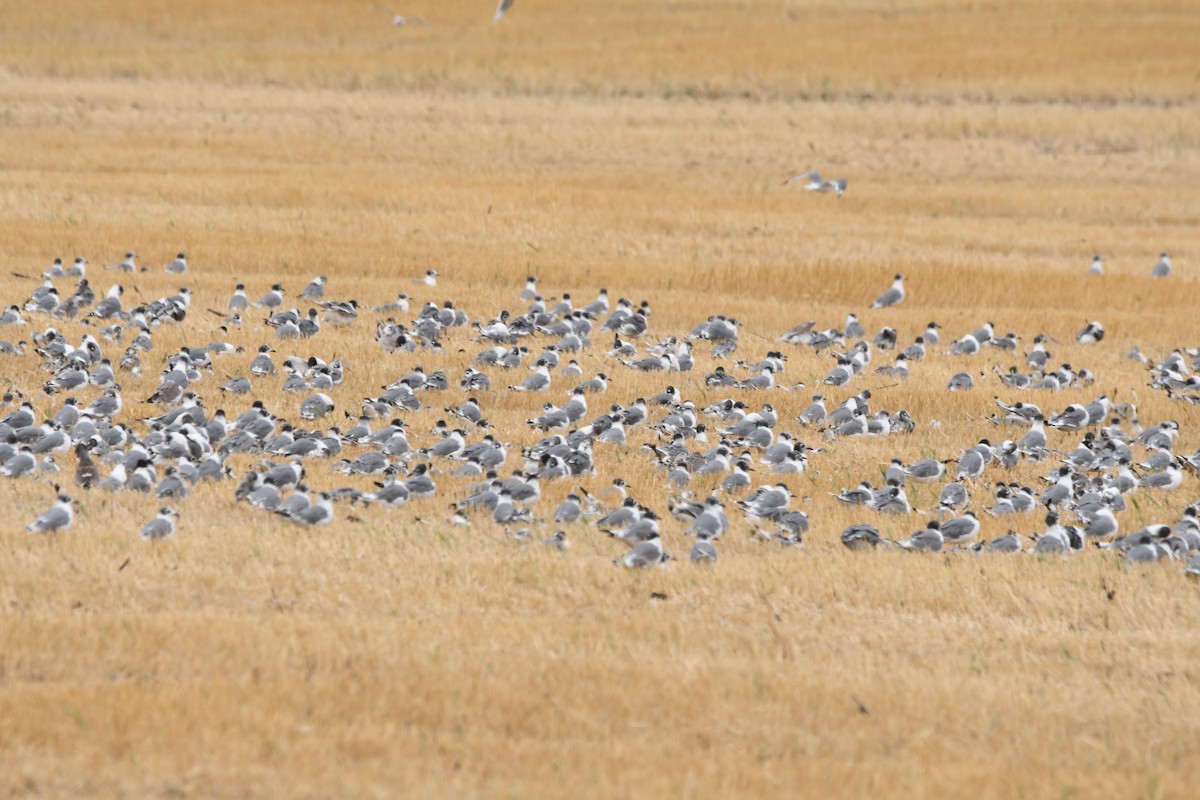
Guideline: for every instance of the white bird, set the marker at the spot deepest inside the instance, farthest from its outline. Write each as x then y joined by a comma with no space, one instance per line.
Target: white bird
815,183
892,296
398,19
56,518
128,265
501,8
1097,267
1163,268
1091,333
539,381
644,554
161,526
178,266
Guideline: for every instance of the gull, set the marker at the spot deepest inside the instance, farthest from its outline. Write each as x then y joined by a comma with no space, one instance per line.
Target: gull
928,539
400,304
1008,543
1163,268
815,413
262,363
389,492
315,289
1056,539
569,510
960,381
891,500
703,551
501,8
319,513
1073,418
929,469
1102,525
972,461
397,19
128,265
317,405
161,526
20,463
644,554
1097,267
861,495
178,266
640,530
1168,479
86,473
12,316
1019,411
428,279
238,301
854,328
861,537
892,296
296,502
272,299
239,385
339,313
110,306
539,381
968,345
817,184
1033,444
1091,333
558,541
56,518
419,484
961,530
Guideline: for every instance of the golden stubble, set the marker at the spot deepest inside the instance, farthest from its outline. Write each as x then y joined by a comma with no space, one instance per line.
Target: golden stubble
990,153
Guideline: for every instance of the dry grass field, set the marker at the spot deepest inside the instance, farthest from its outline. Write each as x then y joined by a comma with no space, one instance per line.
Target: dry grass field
991,150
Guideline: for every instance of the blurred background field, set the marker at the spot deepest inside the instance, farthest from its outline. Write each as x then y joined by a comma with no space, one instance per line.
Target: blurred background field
991,150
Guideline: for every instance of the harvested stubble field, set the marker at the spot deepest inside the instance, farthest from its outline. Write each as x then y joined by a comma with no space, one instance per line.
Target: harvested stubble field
991,150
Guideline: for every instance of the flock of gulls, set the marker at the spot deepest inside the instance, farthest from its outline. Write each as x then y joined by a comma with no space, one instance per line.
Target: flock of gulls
726,464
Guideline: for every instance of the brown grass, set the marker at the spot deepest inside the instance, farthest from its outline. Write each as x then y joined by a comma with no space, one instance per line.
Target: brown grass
991,150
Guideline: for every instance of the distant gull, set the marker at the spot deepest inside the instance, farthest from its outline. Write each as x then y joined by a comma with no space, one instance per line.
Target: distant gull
399,19
1163,268
815,183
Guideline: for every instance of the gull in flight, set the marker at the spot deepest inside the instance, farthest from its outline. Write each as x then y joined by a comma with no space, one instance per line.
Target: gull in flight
817,184
399,19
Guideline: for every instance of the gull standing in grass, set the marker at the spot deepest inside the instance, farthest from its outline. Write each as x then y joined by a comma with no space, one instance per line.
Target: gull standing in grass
128,265
893,296
58,517
161,526
1163,268
178,266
